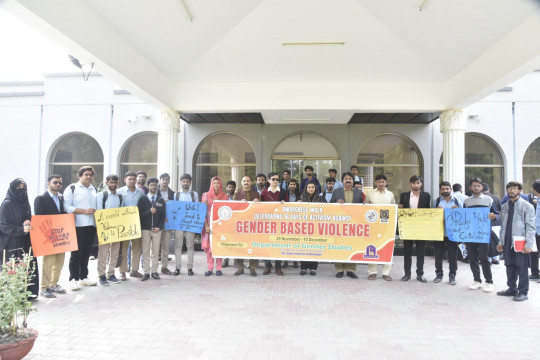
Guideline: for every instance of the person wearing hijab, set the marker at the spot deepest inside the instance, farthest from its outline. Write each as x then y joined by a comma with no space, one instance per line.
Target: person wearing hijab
15,215
310,195
215,192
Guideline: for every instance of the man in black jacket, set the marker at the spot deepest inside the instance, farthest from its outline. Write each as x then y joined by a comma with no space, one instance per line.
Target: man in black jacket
166,193
51,203
414,199
152,214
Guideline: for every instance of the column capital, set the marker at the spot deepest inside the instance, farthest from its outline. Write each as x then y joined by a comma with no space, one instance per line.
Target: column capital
169,120
453,119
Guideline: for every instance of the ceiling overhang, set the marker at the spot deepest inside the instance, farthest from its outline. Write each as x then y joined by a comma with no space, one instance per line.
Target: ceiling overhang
352,58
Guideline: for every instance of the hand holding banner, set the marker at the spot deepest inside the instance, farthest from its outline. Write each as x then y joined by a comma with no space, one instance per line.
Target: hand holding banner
53,234
118,224
468,225
421,224
185,216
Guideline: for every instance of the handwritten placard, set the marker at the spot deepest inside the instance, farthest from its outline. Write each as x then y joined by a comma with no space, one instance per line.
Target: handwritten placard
118,224
468,225
185,216
53,234
421,224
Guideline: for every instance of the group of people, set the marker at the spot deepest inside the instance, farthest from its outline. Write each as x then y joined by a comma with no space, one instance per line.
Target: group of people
516,216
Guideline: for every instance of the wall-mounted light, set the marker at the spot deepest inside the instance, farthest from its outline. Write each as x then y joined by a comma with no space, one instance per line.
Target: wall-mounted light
85,68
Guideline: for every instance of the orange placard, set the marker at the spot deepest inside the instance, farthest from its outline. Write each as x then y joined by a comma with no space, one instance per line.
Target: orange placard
304,231
53,234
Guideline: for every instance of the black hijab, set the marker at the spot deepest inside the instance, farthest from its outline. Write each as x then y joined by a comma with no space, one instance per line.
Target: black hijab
19,199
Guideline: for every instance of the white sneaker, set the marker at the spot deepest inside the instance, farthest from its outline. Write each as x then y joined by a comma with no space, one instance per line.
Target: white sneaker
88,282
476,286
73,286
489,287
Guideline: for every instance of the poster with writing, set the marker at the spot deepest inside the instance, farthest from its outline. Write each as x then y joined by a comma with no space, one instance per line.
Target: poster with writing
468,225
53,234
118,224
353,233
421,224
185,216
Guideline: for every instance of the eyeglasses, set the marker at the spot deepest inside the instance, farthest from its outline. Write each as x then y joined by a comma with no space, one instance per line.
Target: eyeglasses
274,179
57,183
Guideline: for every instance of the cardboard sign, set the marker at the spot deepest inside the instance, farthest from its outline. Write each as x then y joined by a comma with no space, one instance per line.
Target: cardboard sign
421,224
53,234
468,225
185,216
118,224
353,233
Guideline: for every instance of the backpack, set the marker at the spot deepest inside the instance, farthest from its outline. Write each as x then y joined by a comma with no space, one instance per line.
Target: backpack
452,199
177,196
106,195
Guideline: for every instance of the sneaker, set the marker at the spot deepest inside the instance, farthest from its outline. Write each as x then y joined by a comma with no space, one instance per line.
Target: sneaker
57,289
452,280
437,279
86,281
103,281
113,279
489,287
73,286
476,286
47,293
534,277
92,258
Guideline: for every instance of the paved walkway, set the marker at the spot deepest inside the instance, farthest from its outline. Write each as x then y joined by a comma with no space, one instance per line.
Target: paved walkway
289,317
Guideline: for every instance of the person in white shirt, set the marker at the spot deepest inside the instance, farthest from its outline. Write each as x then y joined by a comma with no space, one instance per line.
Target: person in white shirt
80,200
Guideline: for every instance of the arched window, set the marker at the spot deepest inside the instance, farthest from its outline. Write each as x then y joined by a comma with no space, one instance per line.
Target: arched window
140,154
225,155
301,149
393,155
73,151
531,165
483,160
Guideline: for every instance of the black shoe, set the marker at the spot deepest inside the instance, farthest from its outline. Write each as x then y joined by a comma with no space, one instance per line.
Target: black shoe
47,293
208,273
145,277
176,272
507,292
352,275
421,278
166,271
155,276
495,262
534,277
295,264
303,272
437,279
520,297
190,272
452,280
339,275
406,277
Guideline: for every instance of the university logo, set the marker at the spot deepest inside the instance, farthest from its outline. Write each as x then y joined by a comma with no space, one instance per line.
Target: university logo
371,216
371,252
385,216
225,213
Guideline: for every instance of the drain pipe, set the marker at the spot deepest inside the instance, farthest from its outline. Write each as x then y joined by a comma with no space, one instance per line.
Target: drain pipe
108,171
39,149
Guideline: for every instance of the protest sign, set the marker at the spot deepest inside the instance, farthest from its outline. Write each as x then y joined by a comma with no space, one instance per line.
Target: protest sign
468,225
304,231
185,216
118,224
53,234
421,224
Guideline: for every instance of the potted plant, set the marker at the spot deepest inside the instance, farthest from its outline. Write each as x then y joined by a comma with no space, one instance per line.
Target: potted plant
16,339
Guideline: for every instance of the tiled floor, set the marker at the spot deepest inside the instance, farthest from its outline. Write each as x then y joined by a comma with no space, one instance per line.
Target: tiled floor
289,317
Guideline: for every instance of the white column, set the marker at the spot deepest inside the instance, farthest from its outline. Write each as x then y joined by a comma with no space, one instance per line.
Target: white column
453,127
168,122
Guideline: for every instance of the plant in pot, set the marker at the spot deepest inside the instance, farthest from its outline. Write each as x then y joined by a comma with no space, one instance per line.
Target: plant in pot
16,339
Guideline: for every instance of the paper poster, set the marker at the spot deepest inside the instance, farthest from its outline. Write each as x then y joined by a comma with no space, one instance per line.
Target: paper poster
421,224
118,224
185,216
468,225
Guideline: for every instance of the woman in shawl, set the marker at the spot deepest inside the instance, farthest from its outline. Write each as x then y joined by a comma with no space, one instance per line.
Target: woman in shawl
310,195
214,193
15,215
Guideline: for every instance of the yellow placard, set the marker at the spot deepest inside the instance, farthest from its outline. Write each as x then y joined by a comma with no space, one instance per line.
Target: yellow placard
421,224
304,231
118,224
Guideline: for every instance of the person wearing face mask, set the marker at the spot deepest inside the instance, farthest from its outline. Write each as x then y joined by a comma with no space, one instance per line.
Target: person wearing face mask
15,226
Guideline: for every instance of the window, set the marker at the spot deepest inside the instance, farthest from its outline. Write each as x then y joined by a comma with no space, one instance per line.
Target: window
73,151
393,155
225,155
301,149
531,165
483,160
140,154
